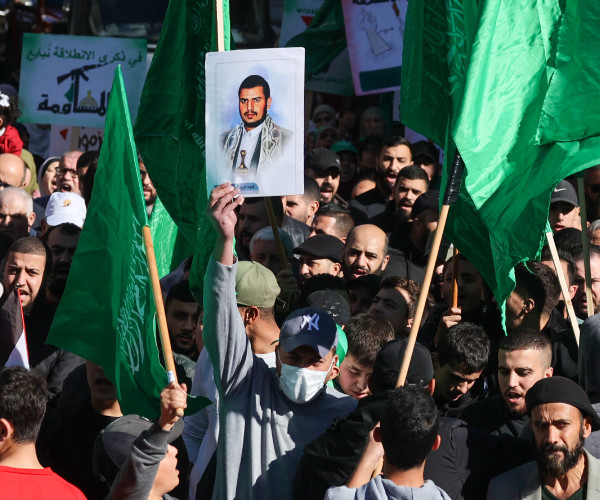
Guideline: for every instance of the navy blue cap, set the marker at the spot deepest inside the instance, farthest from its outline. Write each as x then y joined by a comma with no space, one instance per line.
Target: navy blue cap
311,327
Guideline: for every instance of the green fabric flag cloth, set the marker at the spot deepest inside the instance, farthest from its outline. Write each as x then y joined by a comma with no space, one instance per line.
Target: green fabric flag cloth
324,39
170,246
437,42
170,127
509,95
106,314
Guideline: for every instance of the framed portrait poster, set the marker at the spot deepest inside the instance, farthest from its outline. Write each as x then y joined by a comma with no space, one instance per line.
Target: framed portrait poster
255,120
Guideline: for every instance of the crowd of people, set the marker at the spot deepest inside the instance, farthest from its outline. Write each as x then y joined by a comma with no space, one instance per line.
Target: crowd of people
299,347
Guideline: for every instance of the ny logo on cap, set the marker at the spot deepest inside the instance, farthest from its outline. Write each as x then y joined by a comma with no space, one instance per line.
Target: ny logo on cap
313,321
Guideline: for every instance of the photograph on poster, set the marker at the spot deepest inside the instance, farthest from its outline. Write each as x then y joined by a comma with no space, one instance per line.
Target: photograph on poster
254,120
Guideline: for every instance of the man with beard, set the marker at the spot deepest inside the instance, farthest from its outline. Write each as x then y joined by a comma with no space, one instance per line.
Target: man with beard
324,166
251,217
523,359
16,213
561,418
182,312
412,182
592,192
365,252
62,241
394,156
256,142
148,187
28,264
580,299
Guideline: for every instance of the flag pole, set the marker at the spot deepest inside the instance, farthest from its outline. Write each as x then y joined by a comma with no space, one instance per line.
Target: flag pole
586,246
160,309
563,284
455,271
276,235
452,189
219,28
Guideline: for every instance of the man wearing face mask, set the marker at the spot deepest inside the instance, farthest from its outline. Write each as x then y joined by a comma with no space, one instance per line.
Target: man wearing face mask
266,417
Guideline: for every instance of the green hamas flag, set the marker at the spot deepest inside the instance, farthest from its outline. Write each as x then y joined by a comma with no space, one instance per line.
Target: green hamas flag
518,130
106,314
324,39
437,42
170,128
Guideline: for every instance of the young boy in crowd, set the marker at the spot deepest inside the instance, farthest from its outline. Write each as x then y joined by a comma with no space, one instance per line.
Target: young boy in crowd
366,335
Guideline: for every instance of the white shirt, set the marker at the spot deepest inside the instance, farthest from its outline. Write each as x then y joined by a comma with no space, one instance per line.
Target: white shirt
248,144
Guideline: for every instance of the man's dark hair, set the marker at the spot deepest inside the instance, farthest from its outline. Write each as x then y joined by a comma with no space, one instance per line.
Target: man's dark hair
255,81
568,239
409,286
22,401
538,282
366,335
562,255
413,172
465,344
409,427
66,227
180,291
528,340
312,192
88,159
344,222
27,245
393,141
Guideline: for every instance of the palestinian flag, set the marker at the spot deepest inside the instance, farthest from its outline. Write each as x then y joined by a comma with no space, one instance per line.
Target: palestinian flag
13,342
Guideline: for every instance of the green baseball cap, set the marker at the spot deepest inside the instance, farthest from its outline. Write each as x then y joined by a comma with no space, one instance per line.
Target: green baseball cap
255,285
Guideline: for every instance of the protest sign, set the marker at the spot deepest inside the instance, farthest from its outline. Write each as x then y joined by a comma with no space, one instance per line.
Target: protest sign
336,78
64,138
375,31
66,79
254,120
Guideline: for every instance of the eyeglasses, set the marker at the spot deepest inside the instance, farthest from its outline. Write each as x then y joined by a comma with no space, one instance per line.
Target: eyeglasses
64,171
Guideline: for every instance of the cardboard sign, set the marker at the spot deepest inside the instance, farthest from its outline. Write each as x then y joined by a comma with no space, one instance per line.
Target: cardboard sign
337,77
66,79
375,32
255,120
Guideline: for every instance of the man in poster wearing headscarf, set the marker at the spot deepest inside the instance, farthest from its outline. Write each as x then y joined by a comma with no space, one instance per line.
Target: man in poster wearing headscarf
257,141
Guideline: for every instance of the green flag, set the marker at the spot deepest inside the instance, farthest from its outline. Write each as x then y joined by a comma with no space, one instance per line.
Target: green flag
170,246
437,41
507,105
324,39
169,129
106,314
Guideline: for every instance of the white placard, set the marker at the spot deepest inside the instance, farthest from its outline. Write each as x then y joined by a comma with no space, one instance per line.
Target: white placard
254,136
66,79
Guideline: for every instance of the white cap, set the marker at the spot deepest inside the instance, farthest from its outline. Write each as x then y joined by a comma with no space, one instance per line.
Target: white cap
65,207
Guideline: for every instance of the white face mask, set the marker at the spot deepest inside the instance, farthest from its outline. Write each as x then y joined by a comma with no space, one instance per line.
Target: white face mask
302,385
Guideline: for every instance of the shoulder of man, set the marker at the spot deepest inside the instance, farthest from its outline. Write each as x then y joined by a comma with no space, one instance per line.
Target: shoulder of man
521,482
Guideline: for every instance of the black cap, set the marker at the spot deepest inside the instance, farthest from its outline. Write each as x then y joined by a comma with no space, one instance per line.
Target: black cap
425,148
321,159
370,281
561,390
332,303
113,445
429,200
322,246
565,192
389,360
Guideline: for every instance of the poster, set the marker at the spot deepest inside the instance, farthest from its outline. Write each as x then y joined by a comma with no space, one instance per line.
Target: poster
84,139
66,80
337,77
375,31
255,120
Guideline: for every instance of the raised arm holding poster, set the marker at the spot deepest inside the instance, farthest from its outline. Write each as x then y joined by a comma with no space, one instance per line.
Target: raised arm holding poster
254,120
